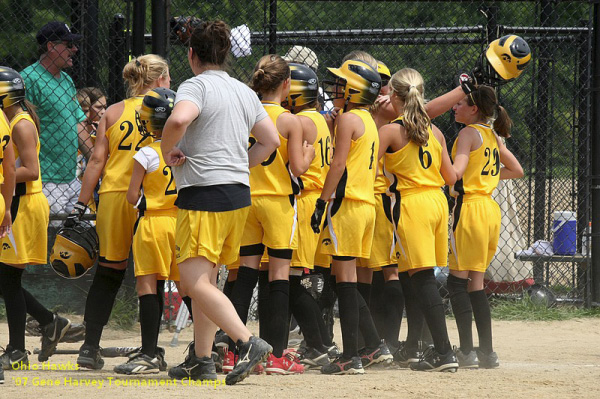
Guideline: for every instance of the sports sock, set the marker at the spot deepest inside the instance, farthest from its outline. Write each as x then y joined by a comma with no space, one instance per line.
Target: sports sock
366,325
377,304
304,308
463,313
37,310
263,304
160,294
483,320
241,295
228,288
365,291
100,301
279,299
149,323
16,310
394,307
326,303
188,303
414,315
348,303
424,284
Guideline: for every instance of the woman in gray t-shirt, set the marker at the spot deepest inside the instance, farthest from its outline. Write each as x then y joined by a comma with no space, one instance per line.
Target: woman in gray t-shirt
205,141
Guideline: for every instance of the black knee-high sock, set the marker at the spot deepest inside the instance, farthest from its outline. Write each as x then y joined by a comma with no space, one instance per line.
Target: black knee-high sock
16,310
394,307
348,302
100,301
483,320
366,325
279,326
327,303
36,309
377,305
304,308
414,315
463,313
228,288
263,305
149,323
188,303
160,294
425,286
365,291
241,295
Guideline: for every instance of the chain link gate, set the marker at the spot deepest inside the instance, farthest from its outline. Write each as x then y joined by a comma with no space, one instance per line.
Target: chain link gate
550,103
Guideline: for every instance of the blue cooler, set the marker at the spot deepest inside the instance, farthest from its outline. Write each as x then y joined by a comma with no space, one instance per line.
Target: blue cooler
565,233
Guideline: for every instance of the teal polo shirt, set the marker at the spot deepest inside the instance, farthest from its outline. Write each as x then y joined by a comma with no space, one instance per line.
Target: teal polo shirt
59,113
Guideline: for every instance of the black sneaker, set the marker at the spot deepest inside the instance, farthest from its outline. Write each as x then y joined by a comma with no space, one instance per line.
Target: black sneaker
14,359
431,360
194,368
405,356
218,361
89,358
312,358
139,363
221,339
1,375
489,361
251,353
160,354
466,361
376,355
333,351
341,366
52,333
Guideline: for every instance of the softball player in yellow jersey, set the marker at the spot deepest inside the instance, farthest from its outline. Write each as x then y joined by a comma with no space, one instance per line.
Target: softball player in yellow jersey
117,140
28,211
302,100
480,160
417,161
348,229
272,220
154,236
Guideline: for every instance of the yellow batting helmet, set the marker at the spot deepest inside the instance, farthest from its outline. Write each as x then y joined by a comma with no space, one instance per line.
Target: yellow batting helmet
361,83
508,56
154,111
75,250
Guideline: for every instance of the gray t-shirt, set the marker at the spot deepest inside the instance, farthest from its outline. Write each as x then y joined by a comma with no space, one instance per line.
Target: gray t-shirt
216,143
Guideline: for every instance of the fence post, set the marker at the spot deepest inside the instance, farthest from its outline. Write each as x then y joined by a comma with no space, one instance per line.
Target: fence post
540,139
138,46
583,157
595,186
118,56
159,27
273,27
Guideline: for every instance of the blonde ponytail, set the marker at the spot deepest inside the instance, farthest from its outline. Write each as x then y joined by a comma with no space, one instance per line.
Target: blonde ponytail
141,72
408,85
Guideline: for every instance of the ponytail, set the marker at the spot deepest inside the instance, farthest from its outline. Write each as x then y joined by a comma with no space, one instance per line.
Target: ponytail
141,72
270,72
31,110
484,97
408,85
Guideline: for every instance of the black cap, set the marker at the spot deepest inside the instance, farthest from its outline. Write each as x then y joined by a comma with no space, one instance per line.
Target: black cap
54,31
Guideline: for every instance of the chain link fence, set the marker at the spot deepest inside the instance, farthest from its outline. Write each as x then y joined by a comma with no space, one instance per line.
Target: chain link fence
550,103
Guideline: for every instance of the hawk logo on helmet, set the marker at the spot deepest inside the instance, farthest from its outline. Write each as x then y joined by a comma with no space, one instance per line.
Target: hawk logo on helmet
75,250
326,242
65,255
5,246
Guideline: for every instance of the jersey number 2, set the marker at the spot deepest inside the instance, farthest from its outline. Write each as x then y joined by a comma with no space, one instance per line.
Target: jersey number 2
126,147
169,190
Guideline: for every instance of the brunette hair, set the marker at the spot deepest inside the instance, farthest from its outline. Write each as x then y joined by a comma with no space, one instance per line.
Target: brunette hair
270,71
211,42
484,97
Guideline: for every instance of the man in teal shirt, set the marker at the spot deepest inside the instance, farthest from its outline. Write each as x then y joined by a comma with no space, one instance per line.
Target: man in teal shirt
52,91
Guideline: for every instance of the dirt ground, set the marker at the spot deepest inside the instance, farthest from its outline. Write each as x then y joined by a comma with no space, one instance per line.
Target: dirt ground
538,360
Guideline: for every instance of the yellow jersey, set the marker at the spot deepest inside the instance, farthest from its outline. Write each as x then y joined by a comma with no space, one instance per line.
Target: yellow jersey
415,166
4,139
314,178
483,171
272,176
29,187
159,192
124,140
358,181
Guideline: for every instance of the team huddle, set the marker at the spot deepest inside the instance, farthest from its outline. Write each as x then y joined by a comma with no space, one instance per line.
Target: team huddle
261,178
